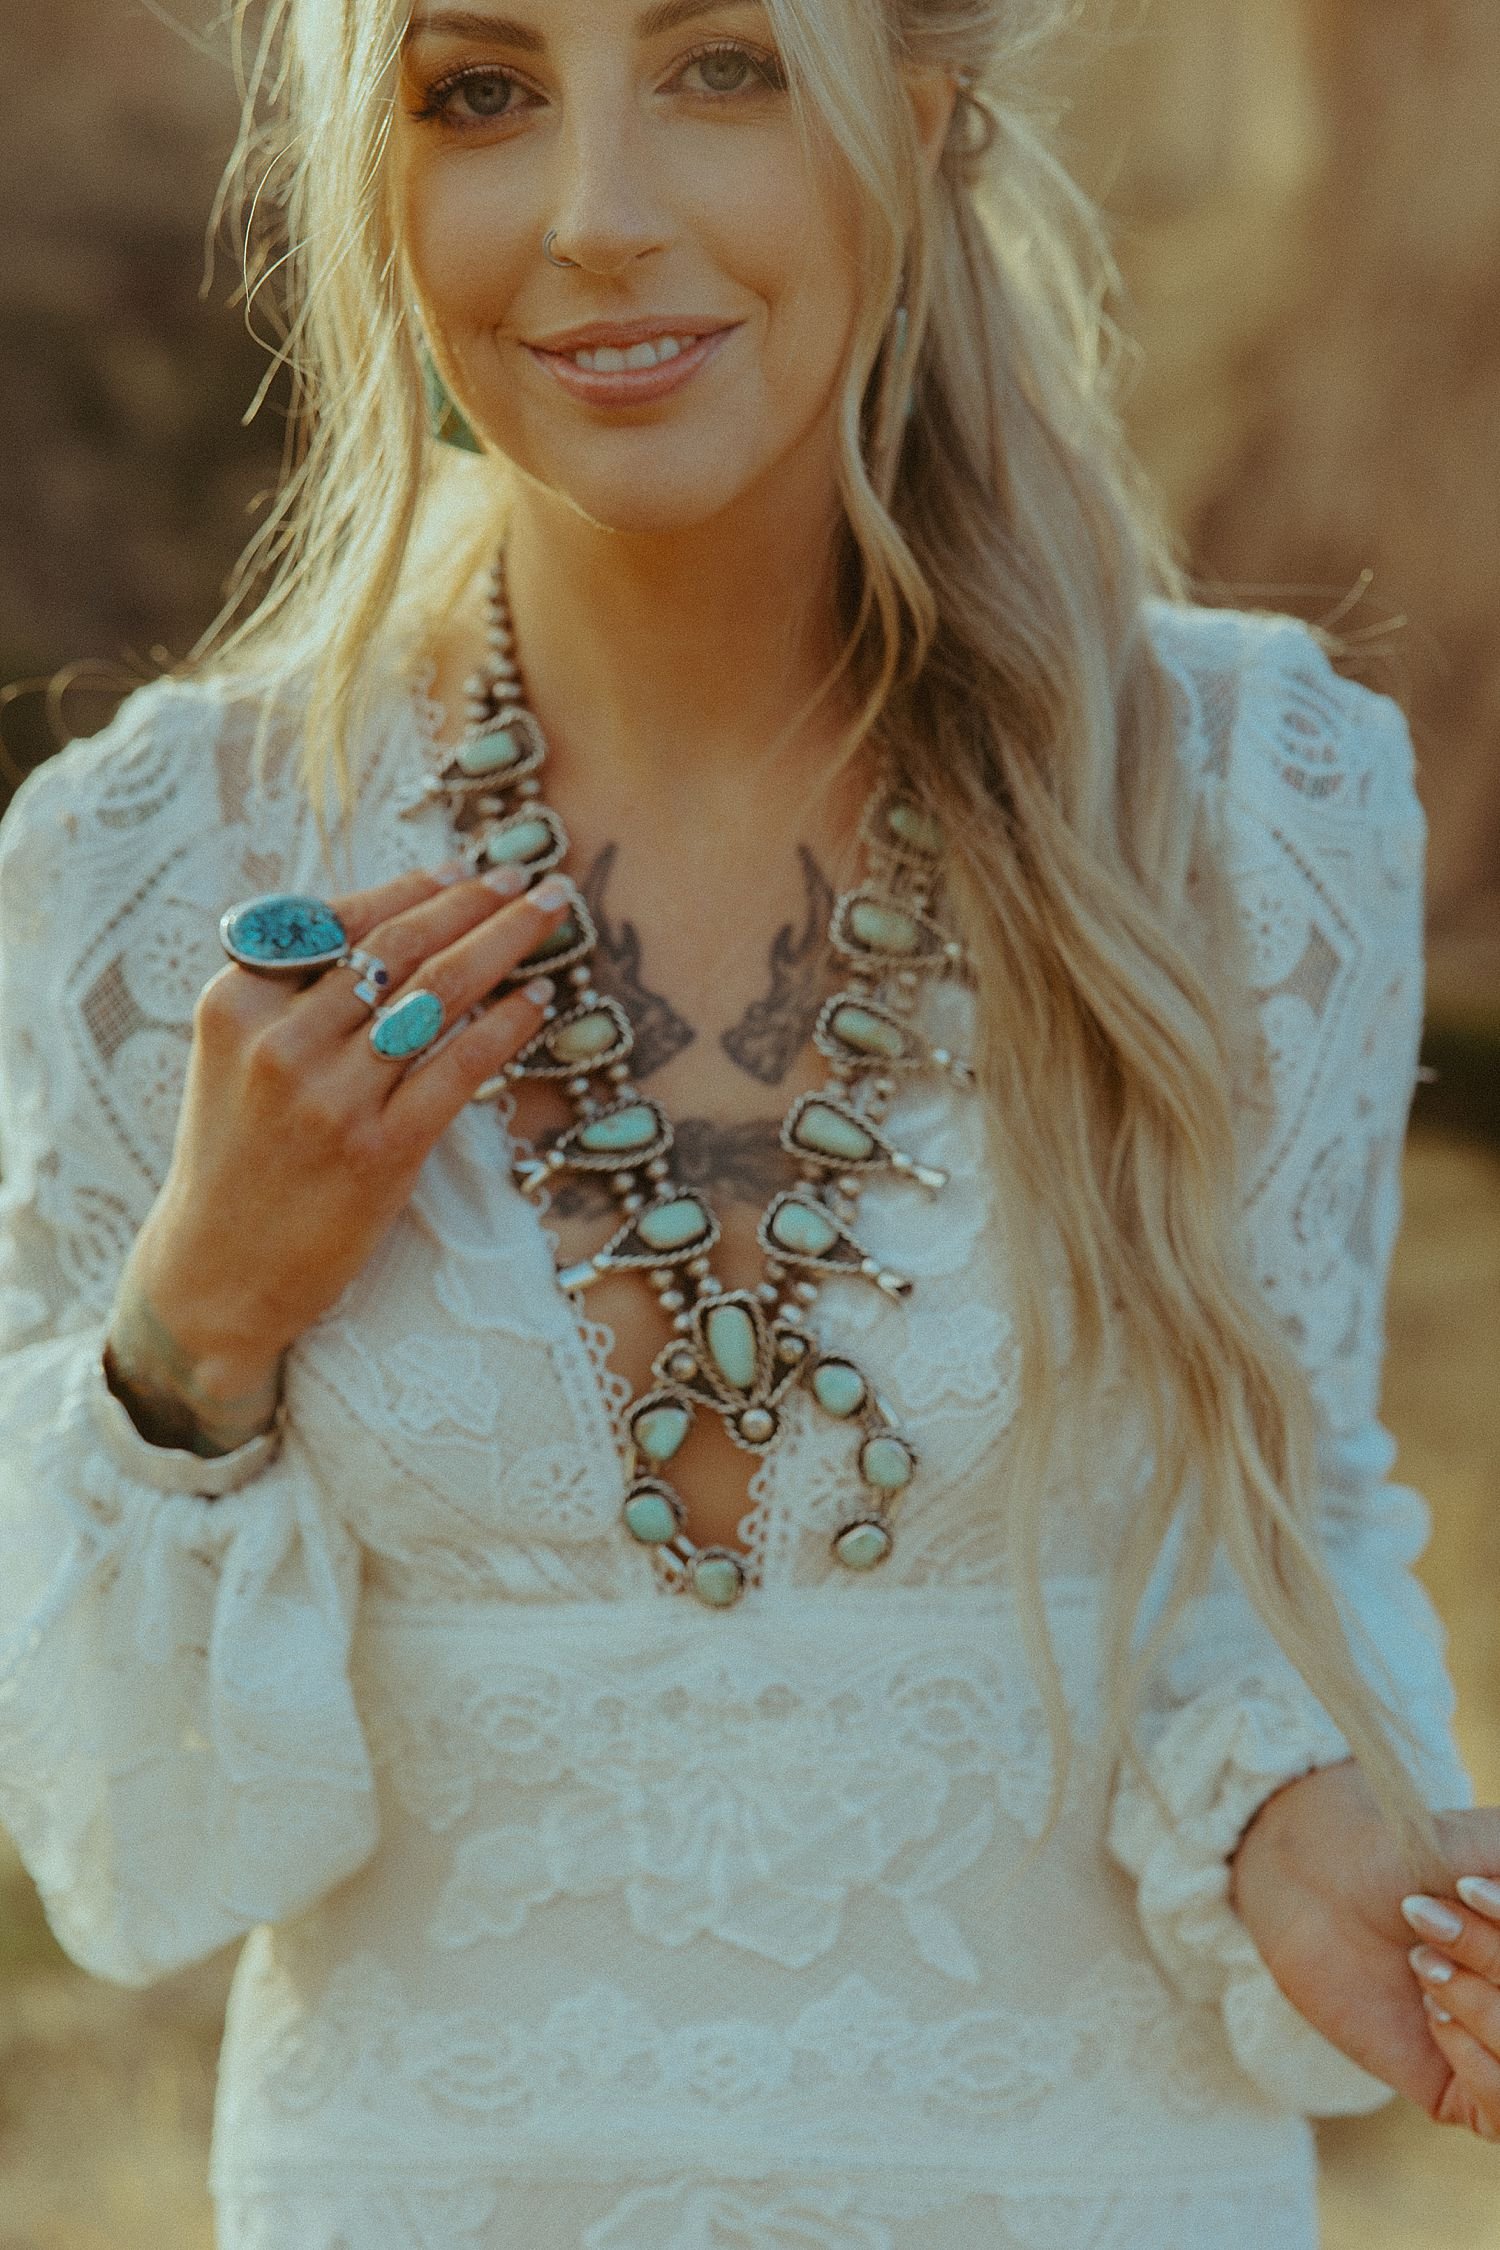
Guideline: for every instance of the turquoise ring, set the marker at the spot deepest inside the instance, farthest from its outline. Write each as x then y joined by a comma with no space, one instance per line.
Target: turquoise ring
404,1027
283,934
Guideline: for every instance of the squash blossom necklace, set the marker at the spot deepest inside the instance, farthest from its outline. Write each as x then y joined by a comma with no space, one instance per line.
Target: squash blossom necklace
732,1352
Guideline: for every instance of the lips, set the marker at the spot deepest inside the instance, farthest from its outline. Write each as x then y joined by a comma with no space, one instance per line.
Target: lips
616,382
621,334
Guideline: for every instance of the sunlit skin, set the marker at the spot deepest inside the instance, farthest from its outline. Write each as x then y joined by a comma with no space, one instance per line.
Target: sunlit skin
670,560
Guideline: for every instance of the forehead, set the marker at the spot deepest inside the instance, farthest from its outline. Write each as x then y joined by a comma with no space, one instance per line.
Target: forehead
526,23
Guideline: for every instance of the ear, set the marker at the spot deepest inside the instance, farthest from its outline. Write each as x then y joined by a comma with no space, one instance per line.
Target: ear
934,94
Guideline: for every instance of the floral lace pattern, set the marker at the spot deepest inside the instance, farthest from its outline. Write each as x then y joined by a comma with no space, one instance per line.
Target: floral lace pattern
402,1697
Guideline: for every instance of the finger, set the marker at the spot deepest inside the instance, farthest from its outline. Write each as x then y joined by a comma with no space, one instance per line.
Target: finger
1471,2000
363,911
246,999
426,1101
1470,1939
331,1009
504,947
1473,2099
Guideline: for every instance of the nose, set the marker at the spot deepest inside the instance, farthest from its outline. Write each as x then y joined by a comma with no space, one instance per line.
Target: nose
607,207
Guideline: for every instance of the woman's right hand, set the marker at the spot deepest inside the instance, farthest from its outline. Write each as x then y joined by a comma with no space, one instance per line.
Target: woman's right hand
298,1145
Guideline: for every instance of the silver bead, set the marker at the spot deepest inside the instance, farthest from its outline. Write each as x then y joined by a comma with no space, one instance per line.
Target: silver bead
622,1182
633,1202
768,1293
806,1290
941,1059
683,1323
709,1287
578,1087
662,1277
848,1186
529,787
672,1300
619,1072
578,976
658,1168
698,1267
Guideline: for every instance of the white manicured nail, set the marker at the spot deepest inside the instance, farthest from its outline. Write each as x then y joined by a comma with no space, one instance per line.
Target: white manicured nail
505,882
1430,1966
552,892
1430,1918
1480,1892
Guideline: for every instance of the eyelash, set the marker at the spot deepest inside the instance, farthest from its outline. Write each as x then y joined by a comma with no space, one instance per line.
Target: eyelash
432,108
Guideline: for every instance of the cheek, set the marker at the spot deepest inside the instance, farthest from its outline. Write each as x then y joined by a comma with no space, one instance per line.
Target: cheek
468,255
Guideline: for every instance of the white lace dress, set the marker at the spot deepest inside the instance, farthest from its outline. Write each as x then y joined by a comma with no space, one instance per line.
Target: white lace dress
578,1914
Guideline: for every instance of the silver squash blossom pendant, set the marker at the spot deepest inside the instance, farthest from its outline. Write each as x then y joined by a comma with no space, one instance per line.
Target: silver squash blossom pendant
734,1353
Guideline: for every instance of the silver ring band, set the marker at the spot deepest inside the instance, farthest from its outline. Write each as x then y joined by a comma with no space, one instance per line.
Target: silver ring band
374,977
547,241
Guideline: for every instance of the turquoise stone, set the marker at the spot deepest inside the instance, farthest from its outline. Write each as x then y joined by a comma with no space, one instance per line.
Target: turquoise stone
660,1431
884,929
729,1333
862,1546
839,1388
560,940
910,825
585,1037
717,1580
489,753
651,1517
826,1131
868,1034
804,1231
671,1226
284,931
412,1024
520,841
619,1130
886,1463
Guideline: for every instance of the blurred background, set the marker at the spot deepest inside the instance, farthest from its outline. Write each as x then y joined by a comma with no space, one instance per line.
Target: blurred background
1306,196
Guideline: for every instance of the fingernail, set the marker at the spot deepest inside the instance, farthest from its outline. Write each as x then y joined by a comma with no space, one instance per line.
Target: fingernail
1438,2015
505,882
1479,1892
539,991
1430,1918
453,871
1430,1967
552,892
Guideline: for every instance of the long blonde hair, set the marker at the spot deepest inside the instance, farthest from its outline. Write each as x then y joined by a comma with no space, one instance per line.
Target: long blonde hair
999,547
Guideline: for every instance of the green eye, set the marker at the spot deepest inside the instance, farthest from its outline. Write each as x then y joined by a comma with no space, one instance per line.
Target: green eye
725,73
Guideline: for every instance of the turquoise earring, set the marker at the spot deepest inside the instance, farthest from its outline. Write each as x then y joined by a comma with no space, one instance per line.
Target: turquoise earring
445,421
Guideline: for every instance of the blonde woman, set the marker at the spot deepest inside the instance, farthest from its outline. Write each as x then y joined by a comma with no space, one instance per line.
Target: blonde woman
701,1436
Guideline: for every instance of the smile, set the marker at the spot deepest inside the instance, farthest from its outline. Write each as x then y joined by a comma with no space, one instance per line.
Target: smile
629,363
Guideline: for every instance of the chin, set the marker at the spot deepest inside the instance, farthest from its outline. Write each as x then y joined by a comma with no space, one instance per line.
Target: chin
658,488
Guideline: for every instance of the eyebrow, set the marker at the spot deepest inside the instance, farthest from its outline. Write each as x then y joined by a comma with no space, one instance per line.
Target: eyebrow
469,23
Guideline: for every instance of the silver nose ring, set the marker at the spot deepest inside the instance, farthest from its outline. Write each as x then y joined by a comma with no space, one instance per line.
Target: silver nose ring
547,242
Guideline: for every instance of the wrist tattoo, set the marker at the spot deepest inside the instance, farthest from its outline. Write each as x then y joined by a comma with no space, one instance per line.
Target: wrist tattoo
159,1385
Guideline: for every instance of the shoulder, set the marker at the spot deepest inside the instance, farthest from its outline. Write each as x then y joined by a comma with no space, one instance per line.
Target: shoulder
1298,768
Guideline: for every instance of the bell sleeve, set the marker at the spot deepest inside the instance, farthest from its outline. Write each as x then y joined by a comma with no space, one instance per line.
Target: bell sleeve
1325,839
180,1753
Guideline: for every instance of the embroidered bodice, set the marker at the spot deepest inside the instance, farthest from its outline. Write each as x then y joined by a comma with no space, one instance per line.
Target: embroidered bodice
576,1913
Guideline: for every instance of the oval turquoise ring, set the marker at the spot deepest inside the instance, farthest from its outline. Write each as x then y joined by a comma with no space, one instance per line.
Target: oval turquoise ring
283,934
406,1026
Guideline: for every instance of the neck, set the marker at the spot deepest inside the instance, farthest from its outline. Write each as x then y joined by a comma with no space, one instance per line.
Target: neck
670,659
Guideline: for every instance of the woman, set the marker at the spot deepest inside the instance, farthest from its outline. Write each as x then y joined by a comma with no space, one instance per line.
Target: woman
746,1738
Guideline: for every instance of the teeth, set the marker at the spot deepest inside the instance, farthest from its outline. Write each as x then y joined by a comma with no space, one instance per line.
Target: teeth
607,360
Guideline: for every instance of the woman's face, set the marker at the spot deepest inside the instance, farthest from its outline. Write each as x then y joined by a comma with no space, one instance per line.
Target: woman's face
660,142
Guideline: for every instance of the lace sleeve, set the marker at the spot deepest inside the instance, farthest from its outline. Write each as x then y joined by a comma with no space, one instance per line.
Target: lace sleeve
1323,837
180,1757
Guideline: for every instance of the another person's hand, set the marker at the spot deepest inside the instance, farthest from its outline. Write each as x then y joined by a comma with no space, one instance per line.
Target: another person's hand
1317,1884
297,1146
